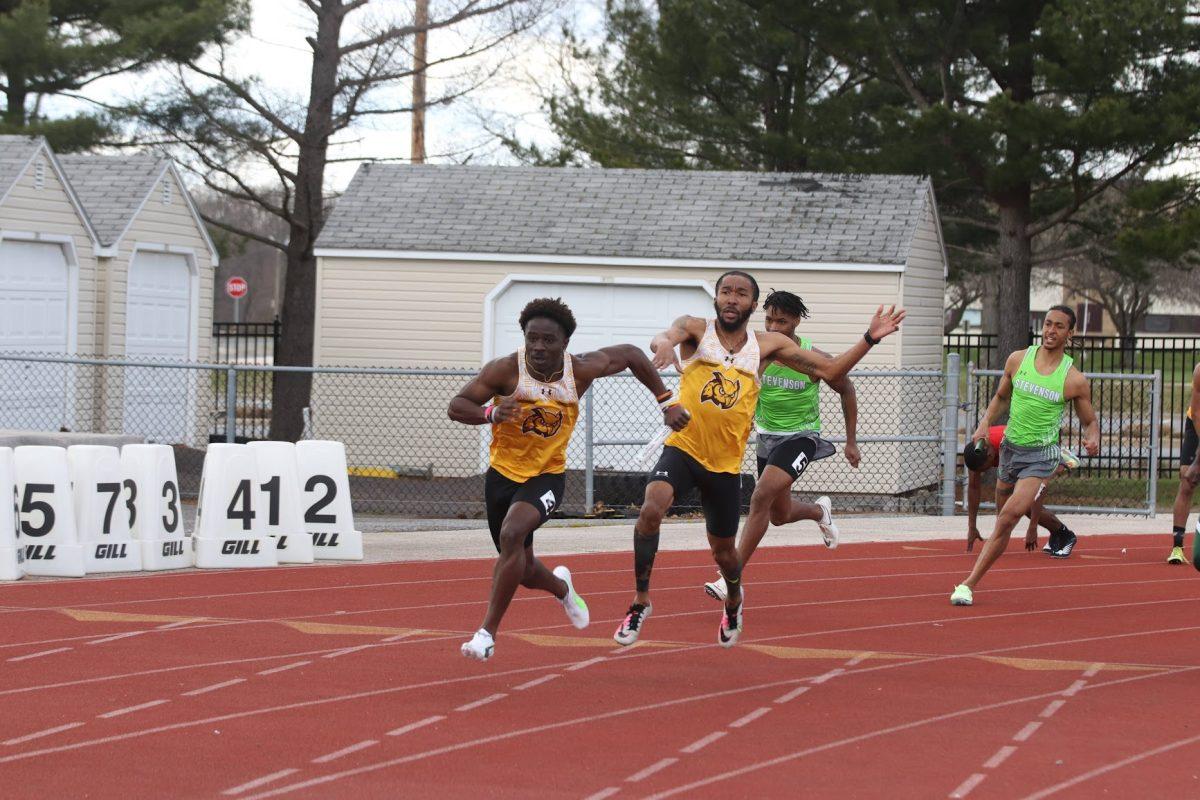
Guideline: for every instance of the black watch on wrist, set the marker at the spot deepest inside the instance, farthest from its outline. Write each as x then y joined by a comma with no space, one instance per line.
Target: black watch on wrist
871,342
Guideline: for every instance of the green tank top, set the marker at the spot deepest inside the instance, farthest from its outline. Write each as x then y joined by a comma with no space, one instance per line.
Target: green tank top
788,401
1037,407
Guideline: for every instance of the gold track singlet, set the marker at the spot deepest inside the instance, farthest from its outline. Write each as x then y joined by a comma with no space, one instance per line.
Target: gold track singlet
720,390
534,442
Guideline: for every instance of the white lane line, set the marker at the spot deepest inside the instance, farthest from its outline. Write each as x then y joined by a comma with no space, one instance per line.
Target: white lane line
1053,706
1093,670
213,687
966,786
1029,730
650,770
284,668
345,751
412,726
178,624
793,694
1087,776
399,636
48,732
254,784
40,654
603,793
753,715
117,636
123,711
537,681
347,651
1000,757
705,742
827,676
1074,688
858,659
491,698
587,663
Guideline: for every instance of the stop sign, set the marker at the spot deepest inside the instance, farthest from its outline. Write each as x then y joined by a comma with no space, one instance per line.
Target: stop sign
236,287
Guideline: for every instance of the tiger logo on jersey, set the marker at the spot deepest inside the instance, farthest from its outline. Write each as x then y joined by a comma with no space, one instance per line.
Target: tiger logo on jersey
543,421
721,391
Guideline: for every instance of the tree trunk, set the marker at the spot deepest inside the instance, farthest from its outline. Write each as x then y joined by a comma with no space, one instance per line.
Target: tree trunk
1012,286
292,391
15,94
420,19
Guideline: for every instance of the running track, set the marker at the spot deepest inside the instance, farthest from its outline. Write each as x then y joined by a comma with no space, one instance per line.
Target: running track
855,678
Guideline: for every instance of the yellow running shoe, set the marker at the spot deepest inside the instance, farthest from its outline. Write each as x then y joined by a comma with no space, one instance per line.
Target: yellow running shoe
1176,556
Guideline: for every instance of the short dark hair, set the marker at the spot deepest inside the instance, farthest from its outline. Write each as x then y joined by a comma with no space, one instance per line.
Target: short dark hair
1070,312
746,275
553,309
786,302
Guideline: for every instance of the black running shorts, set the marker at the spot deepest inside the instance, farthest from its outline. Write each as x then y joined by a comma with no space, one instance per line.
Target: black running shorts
720,492
543,492
1187,453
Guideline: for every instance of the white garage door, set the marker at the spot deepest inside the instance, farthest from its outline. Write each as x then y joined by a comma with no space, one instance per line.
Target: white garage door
34,318
606,314
158,327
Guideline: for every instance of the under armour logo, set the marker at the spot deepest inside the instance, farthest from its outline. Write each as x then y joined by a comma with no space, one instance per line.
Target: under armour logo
660,472
548,501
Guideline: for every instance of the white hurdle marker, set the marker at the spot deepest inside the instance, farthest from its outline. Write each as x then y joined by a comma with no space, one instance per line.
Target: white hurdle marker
104,509
327,512
11,553
47,512
158,528
279,498
229,526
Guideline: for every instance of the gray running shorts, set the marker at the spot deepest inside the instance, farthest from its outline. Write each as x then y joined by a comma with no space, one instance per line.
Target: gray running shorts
1018,462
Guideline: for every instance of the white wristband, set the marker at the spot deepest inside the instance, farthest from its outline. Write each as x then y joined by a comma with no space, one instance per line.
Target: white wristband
670,401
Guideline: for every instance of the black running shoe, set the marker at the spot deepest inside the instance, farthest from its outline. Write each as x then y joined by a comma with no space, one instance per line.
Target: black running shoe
1066,546
631,626
1052,543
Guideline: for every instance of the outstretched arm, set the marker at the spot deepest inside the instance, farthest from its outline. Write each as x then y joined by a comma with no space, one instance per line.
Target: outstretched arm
1080,391
620,357
496,379
786,351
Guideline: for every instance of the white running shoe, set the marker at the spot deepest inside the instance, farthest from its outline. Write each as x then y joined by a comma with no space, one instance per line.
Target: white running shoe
577,610
829,531
717,590
631,626
481,646
731,629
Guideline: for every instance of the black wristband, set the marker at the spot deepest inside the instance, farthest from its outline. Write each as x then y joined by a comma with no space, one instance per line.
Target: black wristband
871,342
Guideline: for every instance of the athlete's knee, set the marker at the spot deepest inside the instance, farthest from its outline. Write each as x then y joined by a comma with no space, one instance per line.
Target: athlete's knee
512,538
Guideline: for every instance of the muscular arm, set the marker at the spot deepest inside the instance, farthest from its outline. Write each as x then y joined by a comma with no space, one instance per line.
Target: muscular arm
497,378
619,357
845,388
684,329
786,351
1080,392
1001,400
1192,473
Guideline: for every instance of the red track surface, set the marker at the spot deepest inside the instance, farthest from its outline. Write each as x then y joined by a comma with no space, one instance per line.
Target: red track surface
855,678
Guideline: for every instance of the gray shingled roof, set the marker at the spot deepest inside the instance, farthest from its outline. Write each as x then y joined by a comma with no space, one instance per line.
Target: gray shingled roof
744,216
111,188
15,152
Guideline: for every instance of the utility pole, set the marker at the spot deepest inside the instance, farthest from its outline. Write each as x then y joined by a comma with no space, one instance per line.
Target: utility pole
421,21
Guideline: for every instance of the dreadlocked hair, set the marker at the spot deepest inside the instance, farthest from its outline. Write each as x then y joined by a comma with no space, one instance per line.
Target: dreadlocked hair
786,302
552,308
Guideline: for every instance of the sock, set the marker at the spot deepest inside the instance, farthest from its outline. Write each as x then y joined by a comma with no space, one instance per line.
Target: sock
644,549
1178,533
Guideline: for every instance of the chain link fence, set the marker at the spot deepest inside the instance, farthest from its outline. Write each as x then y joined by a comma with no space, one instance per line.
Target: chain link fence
406,457
1123,477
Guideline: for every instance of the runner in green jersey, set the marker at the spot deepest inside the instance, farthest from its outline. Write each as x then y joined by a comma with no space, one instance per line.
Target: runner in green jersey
788,425
1036,387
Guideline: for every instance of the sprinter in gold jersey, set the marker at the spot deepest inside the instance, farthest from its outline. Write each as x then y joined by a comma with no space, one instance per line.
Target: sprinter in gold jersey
531,400
719,387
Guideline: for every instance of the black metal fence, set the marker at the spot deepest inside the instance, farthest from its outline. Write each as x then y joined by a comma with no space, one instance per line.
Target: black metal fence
1173,356
249,343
